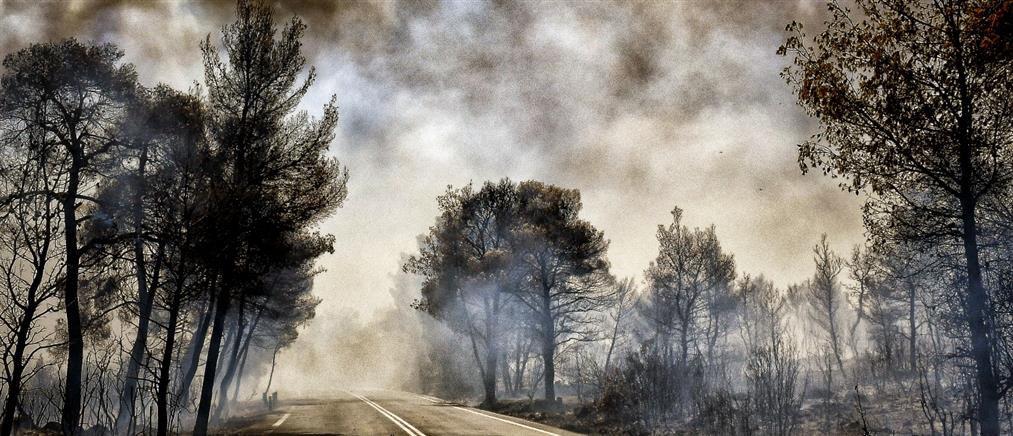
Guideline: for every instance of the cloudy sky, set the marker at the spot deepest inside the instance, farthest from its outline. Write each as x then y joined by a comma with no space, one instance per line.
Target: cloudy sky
641,106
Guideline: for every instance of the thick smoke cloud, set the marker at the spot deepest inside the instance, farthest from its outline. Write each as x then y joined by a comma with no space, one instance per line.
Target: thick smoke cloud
640,105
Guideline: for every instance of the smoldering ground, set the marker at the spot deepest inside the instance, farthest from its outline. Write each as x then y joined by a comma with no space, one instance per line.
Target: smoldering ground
641,106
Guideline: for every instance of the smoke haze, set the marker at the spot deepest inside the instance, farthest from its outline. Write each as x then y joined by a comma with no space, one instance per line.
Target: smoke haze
640,106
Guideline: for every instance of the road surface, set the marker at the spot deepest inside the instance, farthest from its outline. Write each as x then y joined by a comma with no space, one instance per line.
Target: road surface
385,413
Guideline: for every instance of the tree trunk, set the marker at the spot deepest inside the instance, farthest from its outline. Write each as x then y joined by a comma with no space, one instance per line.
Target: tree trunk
521,366
270,376
239,373
548,342
128,394
684,343
233,362
244,353
912,329
192,358
835,342
227,345
580,378
505,368
70,419
491,351
146,299
489,376
162,392
162,400
977,305
859,315
200,427
612,346
977,320
548,355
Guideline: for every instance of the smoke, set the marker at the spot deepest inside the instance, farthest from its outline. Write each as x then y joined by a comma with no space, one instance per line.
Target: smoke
640,105
397,348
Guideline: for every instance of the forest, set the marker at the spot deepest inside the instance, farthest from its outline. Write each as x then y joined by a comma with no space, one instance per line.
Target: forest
159,247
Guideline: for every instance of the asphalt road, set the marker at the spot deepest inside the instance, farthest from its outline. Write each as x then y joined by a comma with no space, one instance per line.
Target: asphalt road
385,413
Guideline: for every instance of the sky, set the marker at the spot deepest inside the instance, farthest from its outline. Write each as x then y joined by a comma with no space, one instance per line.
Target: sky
642,106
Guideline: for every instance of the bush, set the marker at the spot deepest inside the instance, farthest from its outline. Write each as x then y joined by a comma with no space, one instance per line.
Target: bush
721,412
647,393
772,376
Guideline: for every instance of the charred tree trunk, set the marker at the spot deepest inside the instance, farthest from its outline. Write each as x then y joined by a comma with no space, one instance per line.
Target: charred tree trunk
978,325
225,352
223,388
835,343
612,345
548,356
491,350
239,372
859,316
489,377
162,391
145,299
978,309
522,366
684,343
478,357
523,359
243,355
270,376
912,330
192,359
210,367
70,419
518,371
548,343
124,417
505,368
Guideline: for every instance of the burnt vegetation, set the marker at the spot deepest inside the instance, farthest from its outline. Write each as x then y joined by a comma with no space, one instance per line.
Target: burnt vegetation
158,249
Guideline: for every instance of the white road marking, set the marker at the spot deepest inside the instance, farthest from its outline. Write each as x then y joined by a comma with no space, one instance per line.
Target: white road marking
281,421
428,398
408,428
506,421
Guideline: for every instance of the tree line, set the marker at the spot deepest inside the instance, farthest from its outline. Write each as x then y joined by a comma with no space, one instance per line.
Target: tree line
156,242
